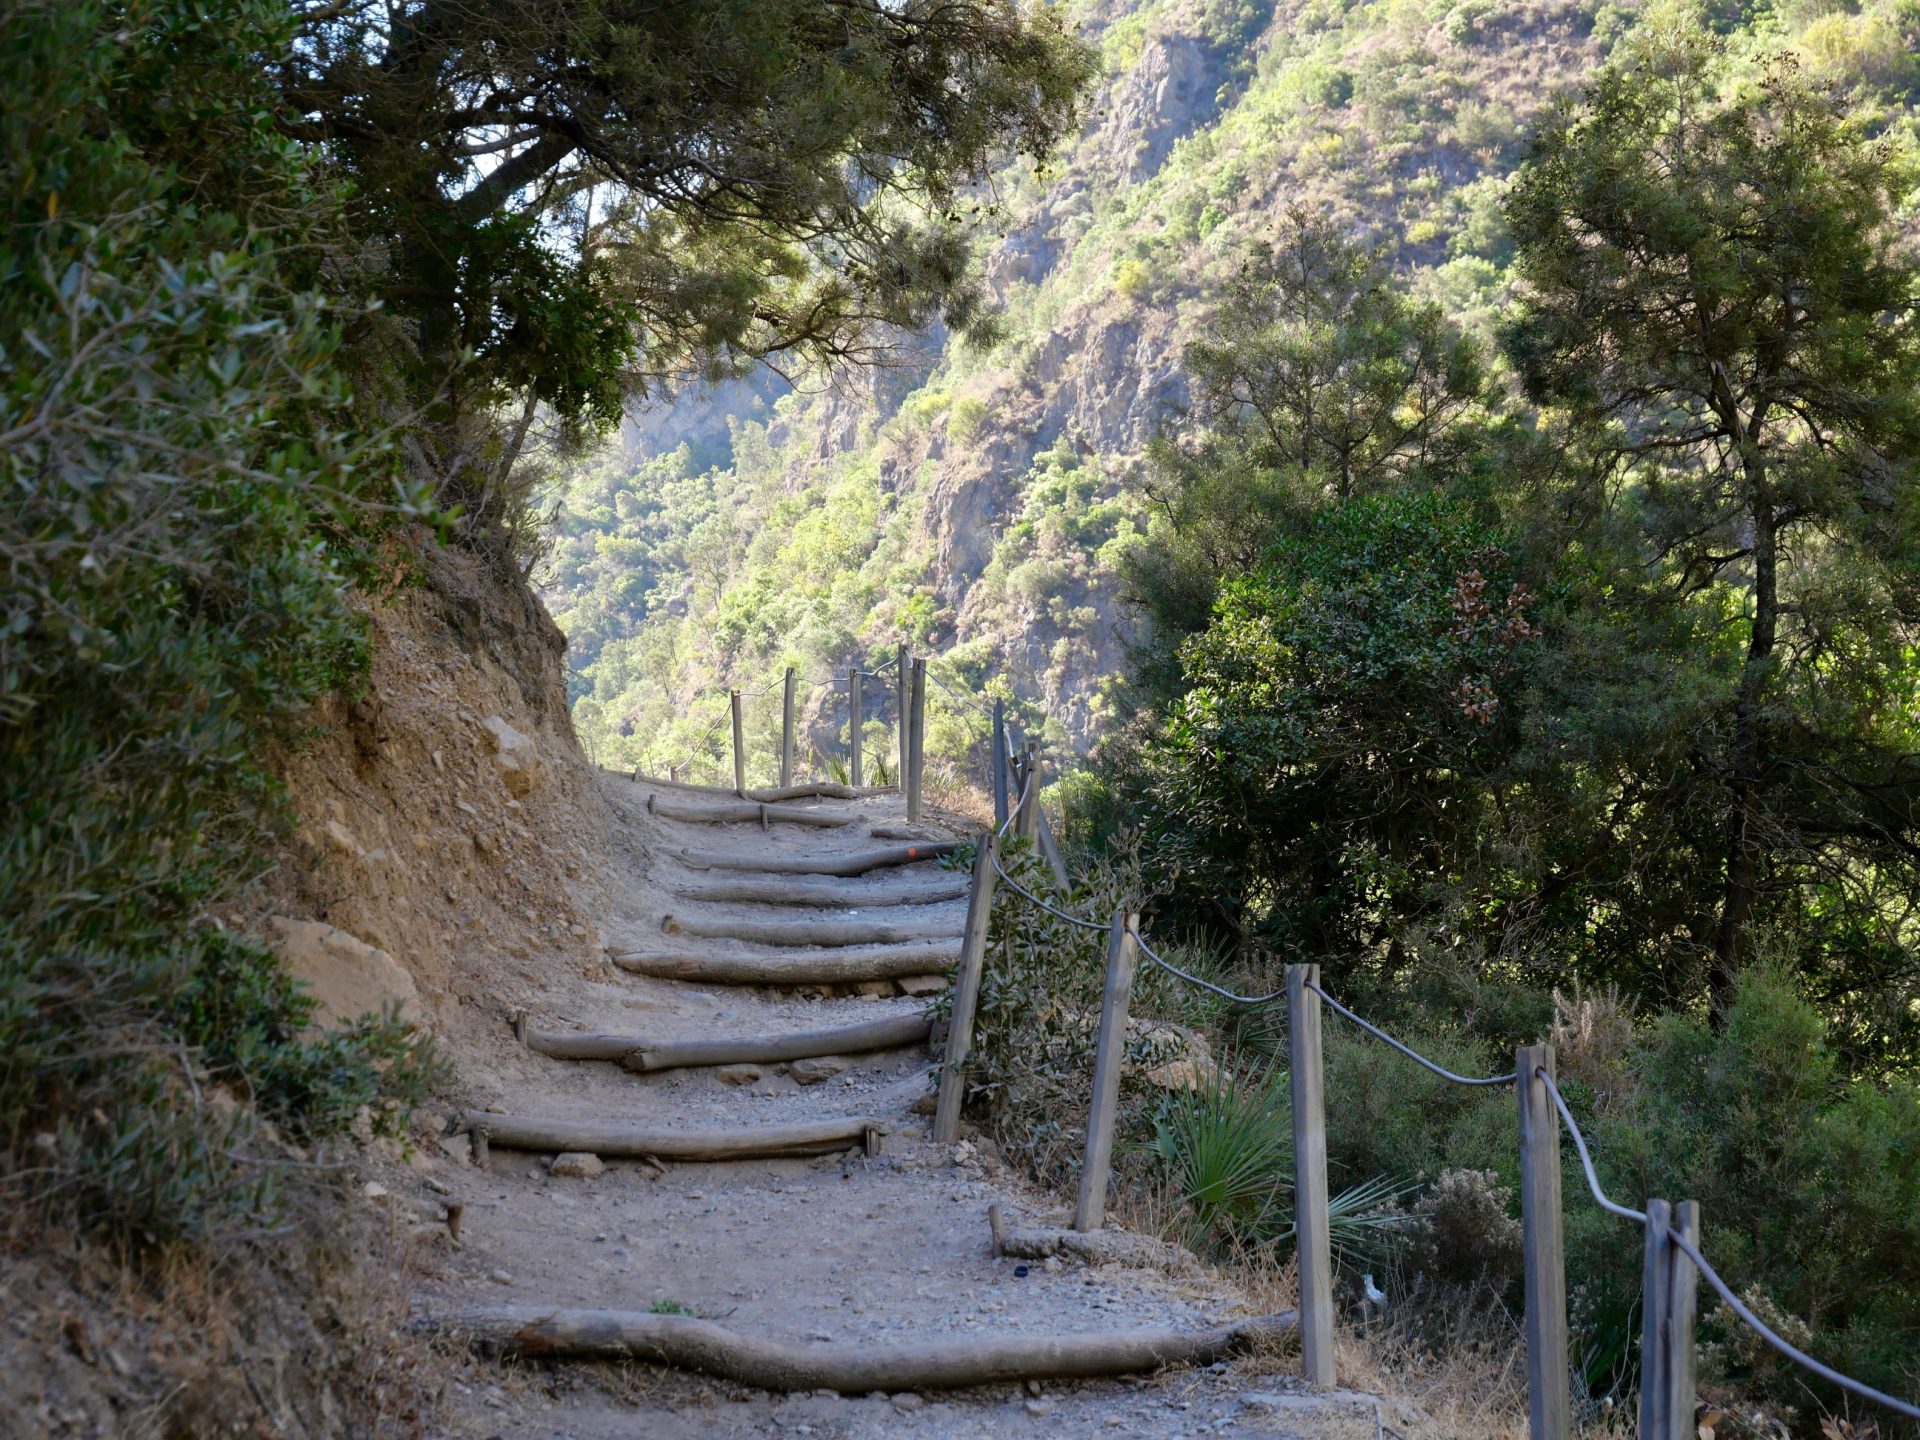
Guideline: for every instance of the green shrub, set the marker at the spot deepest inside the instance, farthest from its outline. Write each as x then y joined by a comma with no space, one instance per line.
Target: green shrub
965,419
182,524
1132,278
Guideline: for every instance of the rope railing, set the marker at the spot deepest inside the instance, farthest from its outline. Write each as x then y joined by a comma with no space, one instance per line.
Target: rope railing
1613,1207
1409,1051
1547,1334
1793,1352
1733,1302
1172,969
1034,899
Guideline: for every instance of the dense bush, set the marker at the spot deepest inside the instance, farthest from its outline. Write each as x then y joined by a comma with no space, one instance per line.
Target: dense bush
180,520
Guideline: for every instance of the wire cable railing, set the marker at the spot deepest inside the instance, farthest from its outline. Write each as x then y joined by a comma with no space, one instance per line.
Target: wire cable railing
1733,1302
1409,1051
1614,1207
1784,1346
1172,969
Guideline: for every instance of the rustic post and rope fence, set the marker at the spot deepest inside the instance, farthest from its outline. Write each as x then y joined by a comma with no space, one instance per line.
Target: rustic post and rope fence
1109,1056
786,730
853,726
739,746
902,688
1673,1264
999,766
917,739
966,991
1313,1238
1549,1395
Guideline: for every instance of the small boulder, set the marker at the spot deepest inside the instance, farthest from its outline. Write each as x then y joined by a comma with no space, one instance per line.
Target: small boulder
513,756
349,977
813,1070
577,1165
738,1074
921,984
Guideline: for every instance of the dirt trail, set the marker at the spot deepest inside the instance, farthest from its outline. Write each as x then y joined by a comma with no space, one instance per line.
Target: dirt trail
843,1248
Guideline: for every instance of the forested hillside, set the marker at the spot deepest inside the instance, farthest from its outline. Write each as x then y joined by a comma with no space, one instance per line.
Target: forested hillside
978,500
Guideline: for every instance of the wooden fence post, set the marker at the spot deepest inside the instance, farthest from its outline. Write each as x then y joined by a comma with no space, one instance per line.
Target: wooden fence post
1549,1398
1109,1054
1313,1238
1655,1424
786,730
917,748
999,765
903,688
673,773
966,992
739,746
1682,1298
853,726
1025,824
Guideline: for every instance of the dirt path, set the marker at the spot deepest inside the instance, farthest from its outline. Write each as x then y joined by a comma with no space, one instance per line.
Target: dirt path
842,1248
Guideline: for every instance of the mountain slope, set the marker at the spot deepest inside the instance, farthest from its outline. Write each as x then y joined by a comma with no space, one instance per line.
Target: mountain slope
977,502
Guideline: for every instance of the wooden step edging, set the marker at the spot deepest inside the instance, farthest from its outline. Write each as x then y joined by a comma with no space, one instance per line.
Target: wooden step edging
855,1368
814,933
890,891
747,812
811,790
765,1142
645,1056
843,865
846,965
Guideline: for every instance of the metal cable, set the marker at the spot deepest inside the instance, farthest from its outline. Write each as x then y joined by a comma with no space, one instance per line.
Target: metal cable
1791,1351
1013,810
1173,969
1586,1160
1035,899
964,700
1410,1053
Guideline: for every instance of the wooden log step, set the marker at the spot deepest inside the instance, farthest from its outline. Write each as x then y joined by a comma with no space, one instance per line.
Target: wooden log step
519,1132
636,1053
810,790
911,888
852,1368
858,863
747,811
845,966
815,932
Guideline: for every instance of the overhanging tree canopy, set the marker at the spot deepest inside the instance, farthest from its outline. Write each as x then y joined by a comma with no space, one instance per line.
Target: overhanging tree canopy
586,195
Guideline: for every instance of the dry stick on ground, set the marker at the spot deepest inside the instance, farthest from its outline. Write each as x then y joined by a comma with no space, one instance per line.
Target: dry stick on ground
853,1369
843,865
749,811
815,932
847,965
909,889
822,1137
1097,1247
902,832
643,1055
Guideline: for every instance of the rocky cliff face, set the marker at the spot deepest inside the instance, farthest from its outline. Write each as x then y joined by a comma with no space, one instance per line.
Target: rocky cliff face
986,498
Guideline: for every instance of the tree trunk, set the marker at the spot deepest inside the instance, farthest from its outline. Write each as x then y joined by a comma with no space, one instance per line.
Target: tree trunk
1746,757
